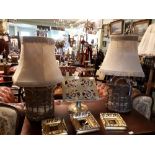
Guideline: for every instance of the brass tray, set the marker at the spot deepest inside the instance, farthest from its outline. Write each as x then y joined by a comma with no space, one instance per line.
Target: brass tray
55,126
84,122
113,121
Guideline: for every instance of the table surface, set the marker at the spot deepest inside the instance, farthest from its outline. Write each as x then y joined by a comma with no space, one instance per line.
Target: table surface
137,124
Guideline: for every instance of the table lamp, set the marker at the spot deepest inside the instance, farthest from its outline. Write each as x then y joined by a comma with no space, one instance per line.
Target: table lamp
147,48
122,60
38,73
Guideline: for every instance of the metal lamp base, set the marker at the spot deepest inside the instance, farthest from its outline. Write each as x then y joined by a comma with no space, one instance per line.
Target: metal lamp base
77,107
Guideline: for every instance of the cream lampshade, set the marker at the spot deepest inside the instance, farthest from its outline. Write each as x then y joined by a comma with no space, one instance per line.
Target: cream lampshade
122,60
147,48
147,44
122,57
38,73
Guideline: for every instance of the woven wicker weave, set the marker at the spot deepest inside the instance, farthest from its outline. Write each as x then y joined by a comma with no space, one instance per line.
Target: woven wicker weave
120,96
39,103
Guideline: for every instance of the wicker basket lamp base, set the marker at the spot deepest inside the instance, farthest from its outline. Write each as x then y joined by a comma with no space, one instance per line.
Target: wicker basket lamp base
39,103
120,96
122,106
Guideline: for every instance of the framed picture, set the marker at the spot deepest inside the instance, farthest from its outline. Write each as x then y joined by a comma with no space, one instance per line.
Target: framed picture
128,27
105,28
104,43
15,43
116,27
139,27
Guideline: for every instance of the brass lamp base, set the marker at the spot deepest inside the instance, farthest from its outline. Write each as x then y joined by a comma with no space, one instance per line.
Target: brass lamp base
77,107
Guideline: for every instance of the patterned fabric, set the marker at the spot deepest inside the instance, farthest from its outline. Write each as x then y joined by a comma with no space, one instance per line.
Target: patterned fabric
143,104
8,120
6,95
102,89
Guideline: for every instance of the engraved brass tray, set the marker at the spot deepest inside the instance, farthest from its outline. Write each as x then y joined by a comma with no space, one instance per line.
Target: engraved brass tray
54,126
84,122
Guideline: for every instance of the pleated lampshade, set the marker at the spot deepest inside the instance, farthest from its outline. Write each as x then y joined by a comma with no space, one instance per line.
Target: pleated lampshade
147,44
122,57
37,65
147,48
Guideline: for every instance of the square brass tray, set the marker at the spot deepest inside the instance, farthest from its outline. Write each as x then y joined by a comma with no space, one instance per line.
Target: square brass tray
113,121
54,126
84,122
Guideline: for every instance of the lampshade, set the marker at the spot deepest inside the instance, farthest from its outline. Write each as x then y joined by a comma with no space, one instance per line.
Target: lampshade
147,48
147,44
37,65
122,57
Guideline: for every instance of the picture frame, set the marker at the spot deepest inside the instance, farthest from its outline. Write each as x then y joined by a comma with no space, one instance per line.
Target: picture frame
116,27
140,26
128,27
15,43
105,28
104,43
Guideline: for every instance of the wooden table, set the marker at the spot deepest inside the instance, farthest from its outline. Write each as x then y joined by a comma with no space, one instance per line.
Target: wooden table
135,122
